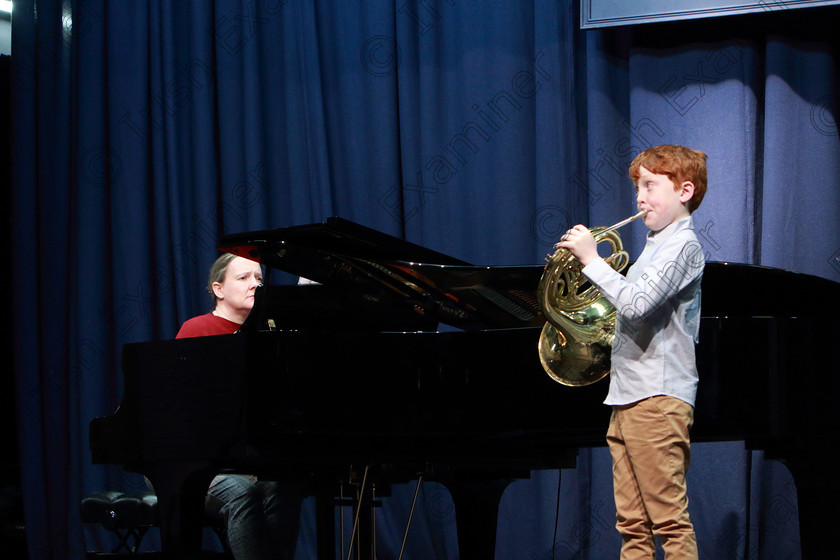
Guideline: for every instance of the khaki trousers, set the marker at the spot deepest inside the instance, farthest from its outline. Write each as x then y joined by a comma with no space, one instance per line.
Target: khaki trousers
649,444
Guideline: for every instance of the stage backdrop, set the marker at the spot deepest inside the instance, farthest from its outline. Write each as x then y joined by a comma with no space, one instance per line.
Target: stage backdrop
144,129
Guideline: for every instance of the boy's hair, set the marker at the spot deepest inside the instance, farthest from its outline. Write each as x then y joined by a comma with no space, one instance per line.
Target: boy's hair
679,163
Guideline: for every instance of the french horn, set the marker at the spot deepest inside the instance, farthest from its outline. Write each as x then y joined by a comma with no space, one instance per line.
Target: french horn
576,340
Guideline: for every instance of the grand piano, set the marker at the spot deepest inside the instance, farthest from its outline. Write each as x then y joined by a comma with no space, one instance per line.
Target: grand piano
402,363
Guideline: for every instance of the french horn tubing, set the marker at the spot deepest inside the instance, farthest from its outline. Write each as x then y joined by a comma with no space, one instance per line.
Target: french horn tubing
576,340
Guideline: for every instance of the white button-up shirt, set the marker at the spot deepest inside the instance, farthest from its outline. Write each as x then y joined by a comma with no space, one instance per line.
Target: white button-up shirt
657,316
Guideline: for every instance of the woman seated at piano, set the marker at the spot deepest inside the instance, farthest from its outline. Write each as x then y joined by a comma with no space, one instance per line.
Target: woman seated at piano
233,282
261,517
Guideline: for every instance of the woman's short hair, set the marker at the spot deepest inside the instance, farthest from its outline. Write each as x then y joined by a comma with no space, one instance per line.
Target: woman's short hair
217,272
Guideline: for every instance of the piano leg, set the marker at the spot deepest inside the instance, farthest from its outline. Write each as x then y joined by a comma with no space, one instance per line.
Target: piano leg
362,542
325,522
818,495
181,488
477,512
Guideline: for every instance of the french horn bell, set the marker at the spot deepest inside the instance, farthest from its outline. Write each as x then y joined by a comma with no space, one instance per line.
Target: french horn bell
576,340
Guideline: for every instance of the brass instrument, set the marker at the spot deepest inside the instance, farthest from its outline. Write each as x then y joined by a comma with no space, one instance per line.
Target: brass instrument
576,341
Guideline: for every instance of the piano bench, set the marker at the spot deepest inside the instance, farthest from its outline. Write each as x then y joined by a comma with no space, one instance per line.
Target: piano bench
129,516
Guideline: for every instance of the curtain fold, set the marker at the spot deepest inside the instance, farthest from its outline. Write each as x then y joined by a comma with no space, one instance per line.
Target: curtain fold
145,129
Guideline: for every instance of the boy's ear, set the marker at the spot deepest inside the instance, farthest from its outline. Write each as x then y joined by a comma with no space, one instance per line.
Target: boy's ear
686,191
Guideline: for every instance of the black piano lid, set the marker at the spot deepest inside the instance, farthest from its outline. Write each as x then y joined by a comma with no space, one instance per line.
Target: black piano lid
383,269
386,270
335,235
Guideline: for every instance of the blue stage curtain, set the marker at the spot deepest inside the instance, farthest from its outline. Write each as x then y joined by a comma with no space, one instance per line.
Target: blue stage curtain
144,129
